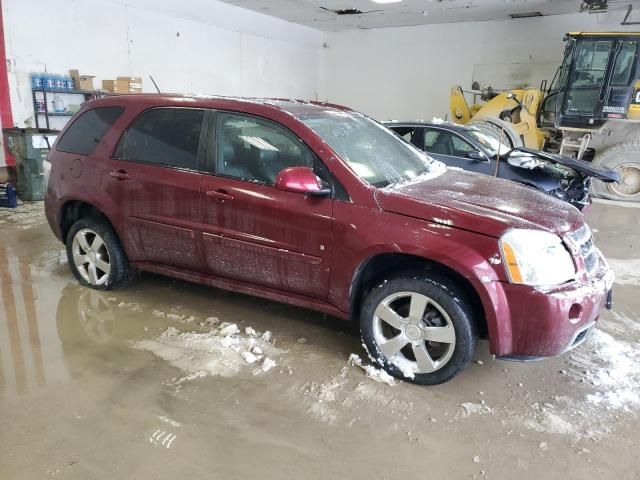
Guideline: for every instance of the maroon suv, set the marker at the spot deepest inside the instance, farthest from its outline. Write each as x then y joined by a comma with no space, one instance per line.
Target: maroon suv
319,206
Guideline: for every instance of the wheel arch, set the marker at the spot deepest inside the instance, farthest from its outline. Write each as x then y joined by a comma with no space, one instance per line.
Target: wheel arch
73,210
375,268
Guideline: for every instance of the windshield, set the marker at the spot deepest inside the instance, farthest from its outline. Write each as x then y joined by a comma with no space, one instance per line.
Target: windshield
490,140
372,151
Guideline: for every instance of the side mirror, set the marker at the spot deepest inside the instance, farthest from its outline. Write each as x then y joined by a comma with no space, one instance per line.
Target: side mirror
301,180
477,156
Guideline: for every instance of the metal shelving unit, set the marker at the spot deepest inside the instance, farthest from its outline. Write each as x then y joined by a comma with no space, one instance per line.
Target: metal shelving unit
88,94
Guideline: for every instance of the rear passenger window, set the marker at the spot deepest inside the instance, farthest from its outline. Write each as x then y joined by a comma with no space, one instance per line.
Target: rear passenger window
164,136
257,150
87,130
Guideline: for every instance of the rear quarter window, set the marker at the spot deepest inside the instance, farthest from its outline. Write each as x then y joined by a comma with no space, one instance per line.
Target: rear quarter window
87,130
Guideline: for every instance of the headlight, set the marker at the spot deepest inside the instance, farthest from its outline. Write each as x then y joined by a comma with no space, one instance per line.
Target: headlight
536,258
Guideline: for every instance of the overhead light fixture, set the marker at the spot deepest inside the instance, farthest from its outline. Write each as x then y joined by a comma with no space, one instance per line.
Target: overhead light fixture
594,6
525,15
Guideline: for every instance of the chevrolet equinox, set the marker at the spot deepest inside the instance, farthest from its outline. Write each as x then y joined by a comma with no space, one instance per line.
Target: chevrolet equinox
319,206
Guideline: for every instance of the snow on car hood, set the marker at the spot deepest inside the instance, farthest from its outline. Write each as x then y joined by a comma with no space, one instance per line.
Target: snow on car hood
480,203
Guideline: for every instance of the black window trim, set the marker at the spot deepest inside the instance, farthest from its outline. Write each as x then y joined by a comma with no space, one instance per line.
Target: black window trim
200,156
211,160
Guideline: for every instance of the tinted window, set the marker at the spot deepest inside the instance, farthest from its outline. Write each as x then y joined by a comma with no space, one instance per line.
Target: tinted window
445,143
164,136
624,64
87,130
460,147
257,150
591,63
437,141
587,78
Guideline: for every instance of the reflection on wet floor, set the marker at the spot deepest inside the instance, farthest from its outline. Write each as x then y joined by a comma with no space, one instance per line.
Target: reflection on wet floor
21,364
120,409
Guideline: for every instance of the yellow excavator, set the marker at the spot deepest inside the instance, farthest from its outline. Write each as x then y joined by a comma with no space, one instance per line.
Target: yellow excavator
590,110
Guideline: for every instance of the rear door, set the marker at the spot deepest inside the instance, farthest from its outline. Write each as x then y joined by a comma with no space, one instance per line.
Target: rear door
154,173
252,231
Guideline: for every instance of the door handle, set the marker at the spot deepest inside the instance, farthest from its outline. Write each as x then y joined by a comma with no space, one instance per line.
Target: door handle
219,195
120,175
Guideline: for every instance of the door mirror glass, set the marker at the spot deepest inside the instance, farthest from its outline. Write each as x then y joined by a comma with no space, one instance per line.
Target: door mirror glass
301,180
476,156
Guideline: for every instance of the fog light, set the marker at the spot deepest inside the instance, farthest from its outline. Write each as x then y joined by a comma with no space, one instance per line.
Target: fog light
575,312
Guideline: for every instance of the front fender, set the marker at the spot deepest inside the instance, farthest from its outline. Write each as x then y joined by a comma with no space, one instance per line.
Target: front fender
473,256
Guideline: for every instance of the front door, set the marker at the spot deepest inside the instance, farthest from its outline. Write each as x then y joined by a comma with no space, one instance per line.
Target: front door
252,231
452,150
154,177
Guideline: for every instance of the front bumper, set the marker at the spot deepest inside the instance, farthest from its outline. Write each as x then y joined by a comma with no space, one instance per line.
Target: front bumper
551,322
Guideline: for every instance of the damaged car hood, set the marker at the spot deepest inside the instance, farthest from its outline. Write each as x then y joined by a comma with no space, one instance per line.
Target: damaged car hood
479,203
573,163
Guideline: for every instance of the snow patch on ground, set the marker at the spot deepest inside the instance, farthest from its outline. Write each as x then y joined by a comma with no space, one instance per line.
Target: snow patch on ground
606,382
374,373
547,421
468,409
627,271
335,400
223,351
617,380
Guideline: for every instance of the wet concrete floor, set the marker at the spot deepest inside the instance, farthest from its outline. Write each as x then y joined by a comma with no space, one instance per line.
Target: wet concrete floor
98,385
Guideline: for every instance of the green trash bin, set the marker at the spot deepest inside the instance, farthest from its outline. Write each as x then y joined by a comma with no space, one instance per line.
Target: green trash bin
30,147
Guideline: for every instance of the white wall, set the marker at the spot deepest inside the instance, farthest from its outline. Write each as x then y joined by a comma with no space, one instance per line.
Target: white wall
200,46
406,73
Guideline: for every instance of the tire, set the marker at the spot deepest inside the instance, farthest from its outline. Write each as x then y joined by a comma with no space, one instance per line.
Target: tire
448,315
624,159
96,256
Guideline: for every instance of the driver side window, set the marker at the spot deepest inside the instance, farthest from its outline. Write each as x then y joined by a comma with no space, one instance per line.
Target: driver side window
445,143
256,150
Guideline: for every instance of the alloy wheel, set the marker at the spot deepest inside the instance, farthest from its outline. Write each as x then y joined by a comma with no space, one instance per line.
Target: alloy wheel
91,257
414,333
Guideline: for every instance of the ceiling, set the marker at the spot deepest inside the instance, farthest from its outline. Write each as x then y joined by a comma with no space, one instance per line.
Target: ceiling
320,14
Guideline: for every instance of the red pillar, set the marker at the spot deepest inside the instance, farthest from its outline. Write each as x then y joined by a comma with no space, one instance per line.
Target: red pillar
6,116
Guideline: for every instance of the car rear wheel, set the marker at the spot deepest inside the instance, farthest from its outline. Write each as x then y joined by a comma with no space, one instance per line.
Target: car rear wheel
419,329
96,256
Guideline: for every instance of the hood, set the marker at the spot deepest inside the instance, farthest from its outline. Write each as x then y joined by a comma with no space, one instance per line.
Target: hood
479,203
575,164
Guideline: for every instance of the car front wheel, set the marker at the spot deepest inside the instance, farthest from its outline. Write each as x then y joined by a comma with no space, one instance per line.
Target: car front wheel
419,329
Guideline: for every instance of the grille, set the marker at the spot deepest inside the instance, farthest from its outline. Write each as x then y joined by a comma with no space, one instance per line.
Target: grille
583,241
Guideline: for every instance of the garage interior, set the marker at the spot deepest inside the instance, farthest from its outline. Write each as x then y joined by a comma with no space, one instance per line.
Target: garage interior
132,383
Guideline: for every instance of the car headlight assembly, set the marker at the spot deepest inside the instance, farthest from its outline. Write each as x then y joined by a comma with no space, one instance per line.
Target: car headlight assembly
536,258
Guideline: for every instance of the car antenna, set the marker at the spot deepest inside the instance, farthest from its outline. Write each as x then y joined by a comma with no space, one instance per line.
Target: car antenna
155,84
495,173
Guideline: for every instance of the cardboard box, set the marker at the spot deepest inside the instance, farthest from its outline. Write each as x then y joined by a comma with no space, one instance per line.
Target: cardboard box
81,82
134,84
115,86
123,85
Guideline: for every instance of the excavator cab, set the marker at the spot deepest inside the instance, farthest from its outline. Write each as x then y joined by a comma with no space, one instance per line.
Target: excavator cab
597,81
